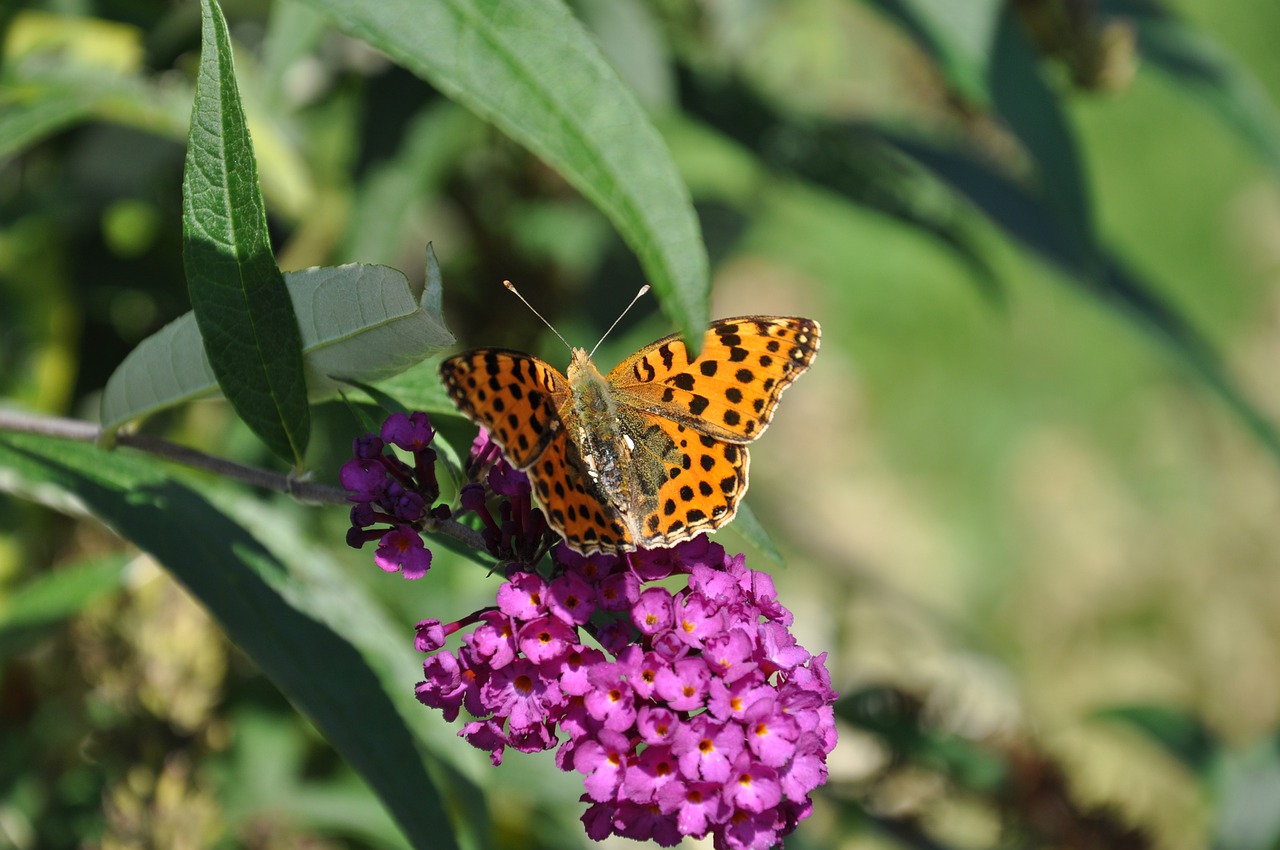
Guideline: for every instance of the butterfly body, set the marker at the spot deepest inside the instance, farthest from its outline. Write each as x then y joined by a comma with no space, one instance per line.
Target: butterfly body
649,455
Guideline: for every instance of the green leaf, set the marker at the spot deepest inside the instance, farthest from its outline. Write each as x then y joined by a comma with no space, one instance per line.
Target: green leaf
1029,221
244,586
747,529
959,36
357,323
1183,735
1033,112
1203,69
52,597
848,160
238,295
293,30
531,70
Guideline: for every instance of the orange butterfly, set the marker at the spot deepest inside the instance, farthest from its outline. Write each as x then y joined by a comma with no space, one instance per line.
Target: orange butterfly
650,455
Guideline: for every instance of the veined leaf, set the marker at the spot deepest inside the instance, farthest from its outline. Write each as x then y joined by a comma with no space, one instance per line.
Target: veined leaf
357,323
238,295
531,70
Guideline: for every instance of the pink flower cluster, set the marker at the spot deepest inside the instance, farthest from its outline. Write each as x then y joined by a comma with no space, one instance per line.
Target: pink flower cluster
699,714
386,489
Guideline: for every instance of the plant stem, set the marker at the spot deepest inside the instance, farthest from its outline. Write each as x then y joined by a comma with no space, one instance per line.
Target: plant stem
303,491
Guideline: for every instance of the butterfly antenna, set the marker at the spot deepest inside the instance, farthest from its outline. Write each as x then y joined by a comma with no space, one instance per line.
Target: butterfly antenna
509,285
642,291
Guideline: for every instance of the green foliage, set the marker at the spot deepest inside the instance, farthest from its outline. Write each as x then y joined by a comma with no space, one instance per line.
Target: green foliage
1047,495
356,322
239,580
238,295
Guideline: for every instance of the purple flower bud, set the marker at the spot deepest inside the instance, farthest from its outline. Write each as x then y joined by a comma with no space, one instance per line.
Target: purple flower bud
771,735
615,636
363,478
363,515
730,654
486,735
669,647
656,725
367,447
575,669
429,636
618,591
522,596
684,684
410,432
710,719
697,620
409,507
603,760
754,787
707,749
610,699
545,640
646,775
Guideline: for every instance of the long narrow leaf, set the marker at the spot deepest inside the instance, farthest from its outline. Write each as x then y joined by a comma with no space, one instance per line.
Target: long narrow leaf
531,70
1030,222
1033,112
1203,69
241,583
238,295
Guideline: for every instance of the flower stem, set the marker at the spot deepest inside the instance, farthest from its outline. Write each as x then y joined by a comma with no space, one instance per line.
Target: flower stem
304,491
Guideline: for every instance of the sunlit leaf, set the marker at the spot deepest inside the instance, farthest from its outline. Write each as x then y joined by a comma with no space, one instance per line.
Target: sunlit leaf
531,70
361,323
1030,222
238,295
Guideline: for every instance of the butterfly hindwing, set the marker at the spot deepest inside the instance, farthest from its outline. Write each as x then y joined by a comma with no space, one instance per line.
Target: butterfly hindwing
513,395
572,502
697,487
731,390
650,455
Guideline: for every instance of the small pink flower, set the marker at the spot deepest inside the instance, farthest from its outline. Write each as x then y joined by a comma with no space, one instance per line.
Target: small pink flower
545,639
402,549
603,760
522,596
571,599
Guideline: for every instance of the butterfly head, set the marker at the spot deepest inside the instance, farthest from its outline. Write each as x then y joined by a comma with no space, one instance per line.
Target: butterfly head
582,373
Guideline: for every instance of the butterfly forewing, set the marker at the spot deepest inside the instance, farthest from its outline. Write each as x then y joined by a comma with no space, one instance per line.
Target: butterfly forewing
731,390
513,395
654,453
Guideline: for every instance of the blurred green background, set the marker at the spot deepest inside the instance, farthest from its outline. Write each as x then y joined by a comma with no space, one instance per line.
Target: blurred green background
1042,552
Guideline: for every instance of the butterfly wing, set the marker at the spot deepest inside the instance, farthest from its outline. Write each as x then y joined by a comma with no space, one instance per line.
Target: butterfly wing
517,398
686,482
731,389
572,501
513,395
